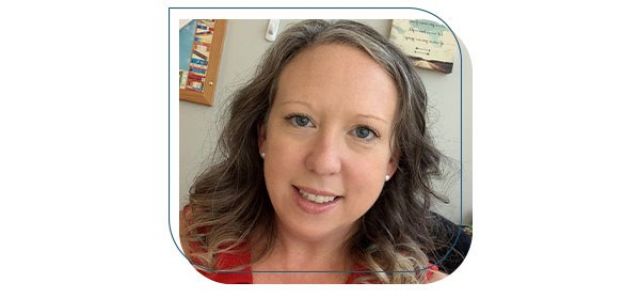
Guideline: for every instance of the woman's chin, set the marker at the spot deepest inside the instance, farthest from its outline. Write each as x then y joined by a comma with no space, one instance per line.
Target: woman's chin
317,232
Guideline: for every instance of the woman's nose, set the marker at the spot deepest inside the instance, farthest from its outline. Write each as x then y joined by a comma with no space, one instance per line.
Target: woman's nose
324,156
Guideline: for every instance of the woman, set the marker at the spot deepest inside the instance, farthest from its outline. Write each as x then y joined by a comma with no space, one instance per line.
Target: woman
325,168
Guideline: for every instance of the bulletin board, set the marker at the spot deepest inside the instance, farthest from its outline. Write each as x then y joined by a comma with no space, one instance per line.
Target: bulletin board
201,43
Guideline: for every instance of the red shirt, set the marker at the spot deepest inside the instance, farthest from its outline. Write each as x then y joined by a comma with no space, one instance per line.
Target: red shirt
245,276
227,261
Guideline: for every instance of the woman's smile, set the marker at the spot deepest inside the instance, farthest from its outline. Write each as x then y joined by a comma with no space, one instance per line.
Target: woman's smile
313,201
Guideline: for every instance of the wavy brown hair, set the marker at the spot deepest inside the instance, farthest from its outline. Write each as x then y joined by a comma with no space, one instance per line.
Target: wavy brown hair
229,202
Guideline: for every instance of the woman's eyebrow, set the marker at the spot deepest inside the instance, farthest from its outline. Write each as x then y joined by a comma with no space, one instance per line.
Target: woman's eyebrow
372,117
284,102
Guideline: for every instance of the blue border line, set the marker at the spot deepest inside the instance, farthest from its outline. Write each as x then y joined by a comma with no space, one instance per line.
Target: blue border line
169,130
323,8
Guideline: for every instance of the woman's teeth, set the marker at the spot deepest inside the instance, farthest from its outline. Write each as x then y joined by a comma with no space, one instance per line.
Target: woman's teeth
316,198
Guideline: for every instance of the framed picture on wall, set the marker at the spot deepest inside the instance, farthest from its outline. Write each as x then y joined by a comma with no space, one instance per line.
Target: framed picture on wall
201,44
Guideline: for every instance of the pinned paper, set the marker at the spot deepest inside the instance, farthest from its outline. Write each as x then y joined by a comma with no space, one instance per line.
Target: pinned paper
430,44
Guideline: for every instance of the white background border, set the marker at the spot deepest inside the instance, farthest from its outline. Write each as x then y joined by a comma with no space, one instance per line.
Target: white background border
84,118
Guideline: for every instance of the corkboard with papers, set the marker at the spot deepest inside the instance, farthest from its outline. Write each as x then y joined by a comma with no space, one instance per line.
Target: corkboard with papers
201,44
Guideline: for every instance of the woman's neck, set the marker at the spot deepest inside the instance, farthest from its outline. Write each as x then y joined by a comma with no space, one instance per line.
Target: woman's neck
305,260
303,254
295,252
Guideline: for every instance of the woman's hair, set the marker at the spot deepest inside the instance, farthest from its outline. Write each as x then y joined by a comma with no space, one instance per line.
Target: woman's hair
230,203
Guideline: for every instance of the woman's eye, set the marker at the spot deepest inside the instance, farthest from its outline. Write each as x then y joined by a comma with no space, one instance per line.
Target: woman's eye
365,133
299,120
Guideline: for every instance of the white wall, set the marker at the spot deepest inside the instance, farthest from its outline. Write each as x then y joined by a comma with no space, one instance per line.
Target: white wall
244,45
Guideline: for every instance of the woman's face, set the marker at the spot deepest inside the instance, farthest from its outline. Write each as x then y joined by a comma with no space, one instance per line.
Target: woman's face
327,140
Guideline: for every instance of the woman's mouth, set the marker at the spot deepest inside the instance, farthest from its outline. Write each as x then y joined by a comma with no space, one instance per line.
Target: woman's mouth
314,201
316,198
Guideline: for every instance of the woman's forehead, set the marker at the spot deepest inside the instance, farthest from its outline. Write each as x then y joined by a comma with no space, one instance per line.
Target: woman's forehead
334,60
338,74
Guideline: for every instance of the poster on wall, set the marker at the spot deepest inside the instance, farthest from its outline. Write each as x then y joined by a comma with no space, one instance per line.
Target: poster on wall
200,49
430,44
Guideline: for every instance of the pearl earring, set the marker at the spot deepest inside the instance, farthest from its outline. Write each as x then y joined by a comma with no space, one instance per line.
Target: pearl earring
262,155
386,178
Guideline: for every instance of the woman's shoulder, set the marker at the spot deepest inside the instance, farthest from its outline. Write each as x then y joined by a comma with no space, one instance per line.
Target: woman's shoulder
233,267
230,267
434,274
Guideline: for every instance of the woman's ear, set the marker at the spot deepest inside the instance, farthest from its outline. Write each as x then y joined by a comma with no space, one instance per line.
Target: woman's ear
393,163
